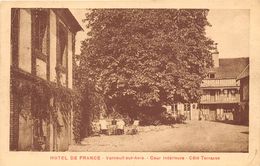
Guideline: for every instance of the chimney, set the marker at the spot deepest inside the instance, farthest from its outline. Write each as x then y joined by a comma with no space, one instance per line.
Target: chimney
215,57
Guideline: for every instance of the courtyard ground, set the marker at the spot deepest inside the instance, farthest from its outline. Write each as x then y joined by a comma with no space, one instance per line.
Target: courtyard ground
194,136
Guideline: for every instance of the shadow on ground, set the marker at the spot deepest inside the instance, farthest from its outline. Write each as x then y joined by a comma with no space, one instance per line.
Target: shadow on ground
233,123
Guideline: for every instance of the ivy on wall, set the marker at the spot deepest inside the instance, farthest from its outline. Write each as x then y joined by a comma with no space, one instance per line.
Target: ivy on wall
47,97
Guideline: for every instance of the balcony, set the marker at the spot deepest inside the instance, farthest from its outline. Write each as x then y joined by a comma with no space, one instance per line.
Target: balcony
216,83
205,99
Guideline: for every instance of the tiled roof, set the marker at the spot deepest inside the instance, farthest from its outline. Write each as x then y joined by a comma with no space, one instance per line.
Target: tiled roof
230,67
244,73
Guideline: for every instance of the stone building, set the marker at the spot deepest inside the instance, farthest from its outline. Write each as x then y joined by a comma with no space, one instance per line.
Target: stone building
42,48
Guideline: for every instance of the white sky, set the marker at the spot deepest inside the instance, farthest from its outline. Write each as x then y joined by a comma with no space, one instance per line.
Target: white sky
230,29
79,14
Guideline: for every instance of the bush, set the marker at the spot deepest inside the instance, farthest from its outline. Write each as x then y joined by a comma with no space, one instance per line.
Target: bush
168,118
146,120
181,118
165,118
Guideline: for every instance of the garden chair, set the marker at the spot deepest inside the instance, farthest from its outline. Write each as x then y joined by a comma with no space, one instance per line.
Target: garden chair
134,128
120,127
103,126
95,128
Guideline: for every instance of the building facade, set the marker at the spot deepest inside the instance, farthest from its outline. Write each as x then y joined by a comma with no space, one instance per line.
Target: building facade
243,80
221,90
42,47
189,110
225,93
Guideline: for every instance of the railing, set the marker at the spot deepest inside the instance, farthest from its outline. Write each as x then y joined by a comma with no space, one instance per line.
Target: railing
219,82
220,99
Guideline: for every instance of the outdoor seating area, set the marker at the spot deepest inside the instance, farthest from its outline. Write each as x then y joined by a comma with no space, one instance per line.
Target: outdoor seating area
114,127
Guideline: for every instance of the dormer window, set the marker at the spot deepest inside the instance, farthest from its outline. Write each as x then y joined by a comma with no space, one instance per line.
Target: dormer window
211,75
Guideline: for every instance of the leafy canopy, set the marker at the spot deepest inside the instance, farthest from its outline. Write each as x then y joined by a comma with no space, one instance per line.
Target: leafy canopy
146,57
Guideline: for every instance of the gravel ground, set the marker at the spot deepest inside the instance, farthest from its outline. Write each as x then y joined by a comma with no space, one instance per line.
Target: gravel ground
194,136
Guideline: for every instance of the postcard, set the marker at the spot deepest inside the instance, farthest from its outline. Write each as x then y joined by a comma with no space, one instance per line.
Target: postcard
130,83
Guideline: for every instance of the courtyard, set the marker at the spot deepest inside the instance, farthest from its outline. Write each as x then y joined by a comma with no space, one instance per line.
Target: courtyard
194,136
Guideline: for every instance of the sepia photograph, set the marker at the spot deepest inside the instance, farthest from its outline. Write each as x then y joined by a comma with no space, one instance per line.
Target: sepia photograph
129,80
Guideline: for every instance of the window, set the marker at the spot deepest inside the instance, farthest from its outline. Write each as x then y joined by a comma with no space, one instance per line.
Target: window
212,95
211,75
62,46
233,93
62,54
227,110
40,33
186,107
40,42
174,107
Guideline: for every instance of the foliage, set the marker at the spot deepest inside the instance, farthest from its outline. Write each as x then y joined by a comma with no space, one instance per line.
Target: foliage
77,119
145,57
170,118
162,117
91,103
43,92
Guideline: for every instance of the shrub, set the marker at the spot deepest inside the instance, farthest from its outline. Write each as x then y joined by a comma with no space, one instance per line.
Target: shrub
168,118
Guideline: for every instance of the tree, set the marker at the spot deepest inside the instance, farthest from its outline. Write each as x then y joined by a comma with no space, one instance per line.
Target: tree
146,57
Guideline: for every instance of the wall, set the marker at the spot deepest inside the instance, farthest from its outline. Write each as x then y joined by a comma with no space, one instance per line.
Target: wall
180,108
14,123
25,40
244,102
25,50
53,41
245,89
25,125
21,125
194,111
63,138
41,67
215,58
70,53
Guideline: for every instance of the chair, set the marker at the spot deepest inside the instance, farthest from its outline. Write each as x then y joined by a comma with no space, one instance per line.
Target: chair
95,128
103,126
120,127
134,128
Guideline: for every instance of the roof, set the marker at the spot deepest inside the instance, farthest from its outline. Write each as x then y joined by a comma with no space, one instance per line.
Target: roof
230,67
244,73
68,19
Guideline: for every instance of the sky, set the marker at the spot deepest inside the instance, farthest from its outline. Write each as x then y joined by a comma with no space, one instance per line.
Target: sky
79,14
230,29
